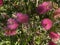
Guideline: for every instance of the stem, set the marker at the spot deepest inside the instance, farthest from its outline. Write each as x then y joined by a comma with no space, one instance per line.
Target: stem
37,3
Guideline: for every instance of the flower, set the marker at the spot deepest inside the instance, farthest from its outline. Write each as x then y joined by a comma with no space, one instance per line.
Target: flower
44,7
1,2
57,13
54,36
46,23
22,18
52,43
10,32
12,24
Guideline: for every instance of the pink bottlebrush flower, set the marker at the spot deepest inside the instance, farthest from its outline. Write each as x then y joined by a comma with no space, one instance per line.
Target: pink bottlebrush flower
44,7
10,32
54,36
22,18
46,23
1,2
12,24
57,13
52,43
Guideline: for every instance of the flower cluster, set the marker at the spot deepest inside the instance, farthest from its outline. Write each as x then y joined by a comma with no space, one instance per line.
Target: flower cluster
42,11
13,23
